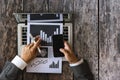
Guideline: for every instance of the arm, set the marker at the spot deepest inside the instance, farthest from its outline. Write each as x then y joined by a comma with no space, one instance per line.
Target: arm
10,72
12,69
82,71
80,67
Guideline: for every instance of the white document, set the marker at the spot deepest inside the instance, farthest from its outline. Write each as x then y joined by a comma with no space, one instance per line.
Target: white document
45,65
44,62
45,31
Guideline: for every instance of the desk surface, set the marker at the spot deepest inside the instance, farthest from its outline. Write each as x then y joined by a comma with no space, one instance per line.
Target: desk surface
96,36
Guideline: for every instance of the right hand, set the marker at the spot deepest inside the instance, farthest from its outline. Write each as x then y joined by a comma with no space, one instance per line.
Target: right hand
69,54
29,52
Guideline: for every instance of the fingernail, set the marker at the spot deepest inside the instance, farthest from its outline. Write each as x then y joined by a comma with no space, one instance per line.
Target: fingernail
60,49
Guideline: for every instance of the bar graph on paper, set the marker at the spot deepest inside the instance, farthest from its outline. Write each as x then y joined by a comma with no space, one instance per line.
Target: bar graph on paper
47,38
45,31
54,65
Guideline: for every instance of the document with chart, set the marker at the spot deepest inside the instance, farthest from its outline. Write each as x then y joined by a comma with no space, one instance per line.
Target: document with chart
45,31
44,62
45,65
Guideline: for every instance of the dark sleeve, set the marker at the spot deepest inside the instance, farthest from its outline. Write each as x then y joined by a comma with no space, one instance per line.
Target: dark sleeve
9,72
82,72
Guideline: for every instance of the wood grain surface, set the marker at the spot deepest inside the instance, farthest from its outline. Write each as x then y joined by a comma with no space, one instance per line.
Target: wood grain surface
86,32
109,39
8,30
35,6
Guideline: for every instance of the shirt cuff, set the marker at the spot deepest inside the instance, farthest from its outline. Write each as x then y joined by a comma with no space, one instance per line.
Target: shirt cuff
77,63
19,63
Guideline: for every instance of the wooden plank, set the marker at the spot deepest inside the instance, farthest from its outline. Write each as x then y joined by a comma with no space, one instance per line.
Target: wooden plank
109,39
8,30
35,6
55,6
35,76
63,6
86,32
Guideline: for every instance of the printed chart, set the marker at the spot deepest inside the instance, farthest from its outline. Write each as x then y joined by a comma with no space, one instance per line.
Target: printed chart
45,31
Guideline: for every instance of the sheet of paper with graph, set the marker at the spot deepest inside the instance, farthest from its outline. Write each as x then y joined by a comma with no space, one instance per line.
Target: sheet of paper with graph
44,62
45,65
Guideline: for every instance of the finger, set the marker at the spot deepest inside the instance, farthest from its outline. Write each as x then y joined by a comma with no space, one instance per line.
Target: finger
37,43
31,45
37,37
67,45
27,45
63,51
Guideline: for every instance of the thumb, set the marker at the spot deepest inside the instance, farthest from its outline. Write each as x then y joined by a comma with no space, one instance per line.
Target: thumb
63,51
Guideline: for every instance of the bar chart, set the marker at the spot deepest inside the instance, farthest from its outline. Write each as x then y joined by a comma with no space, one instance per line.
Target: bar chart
44,36
54,65
46,31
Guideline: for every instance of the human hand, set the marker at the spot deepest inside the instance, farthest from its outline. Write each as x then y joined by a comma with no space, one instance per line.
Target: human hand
29,52
69,54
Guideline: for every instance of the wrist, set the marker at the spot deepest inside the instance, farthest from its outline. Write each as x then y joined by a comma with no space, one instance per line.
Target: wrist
24,59
19,62
73,61
77,63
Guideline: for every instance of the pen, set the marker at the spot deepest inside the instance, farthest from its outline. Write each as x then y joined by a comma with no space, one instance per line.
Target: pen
34,42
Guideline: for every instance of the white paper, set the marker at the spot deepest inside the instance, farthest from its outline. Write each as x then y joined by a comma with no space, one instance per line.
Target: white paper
45,65
42,64
40,32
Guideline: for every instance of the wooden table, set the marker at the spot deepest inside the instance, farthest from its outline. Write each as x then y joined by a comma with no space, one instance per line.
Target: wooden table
96,34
